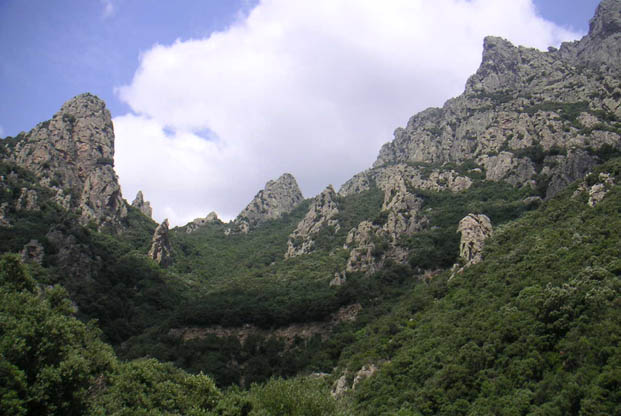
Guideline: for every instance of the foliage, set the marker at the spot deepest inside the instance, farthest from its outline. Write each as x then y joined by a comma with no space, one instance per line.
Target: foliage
148,387
533,329
300,396
49,359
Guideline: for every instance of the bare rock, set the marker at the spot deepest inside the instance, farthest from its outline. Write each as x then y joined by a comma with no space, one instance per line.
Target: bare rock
279,197
361,241
474,229
160,250
74,152
321,213
197,223
142,205
520,106
365,372
32,252
340,387
598,190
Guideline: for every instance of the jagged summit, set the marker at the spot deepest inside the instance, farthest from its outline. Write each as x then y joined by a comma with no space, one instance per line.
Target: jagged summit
601,47
279,197
142,205
526,117
73,153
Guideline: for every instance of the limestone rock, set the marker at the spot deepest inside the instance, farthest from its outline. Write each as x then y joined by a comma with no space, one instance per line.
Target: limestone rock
361,241
73,154
32,252
365,372
321,213
568,169
413,177
602,45
279,197
211,218
160,250
598,190
142,205
523,113
340,387
28,200
474,229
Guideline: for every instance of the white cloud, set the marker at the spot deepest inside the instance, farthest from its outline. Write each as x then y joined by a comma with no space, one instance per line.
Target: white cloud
308,87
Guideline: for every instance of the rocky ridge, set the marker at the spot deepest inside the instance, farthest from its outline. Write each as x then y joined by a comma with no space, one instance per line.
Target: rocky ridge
73,155
277,198
197,223
527,117
321,213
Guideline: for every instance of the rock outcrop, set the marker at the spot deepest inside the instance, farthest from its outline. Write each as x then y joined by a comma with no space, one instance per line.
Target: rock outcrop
601,48
73,154
525,115
474,229
373,242
142,205
160,250
279,197
596,188
321,213
413,177
197,223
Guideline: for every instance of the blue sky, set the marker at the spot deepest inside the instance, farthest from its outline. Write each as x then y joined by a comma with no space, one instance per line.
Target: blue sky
51,51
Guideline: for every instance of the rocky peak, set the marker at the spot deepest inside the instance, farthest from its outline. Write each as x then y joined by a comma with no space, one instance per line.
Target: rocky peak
73,154
526,116
607,19
602,45
142,205
160,250
277,198
321,213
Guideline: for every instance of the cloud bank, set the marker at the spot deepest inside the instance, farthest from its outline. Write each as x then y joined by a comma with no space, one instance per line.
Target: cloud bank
313,88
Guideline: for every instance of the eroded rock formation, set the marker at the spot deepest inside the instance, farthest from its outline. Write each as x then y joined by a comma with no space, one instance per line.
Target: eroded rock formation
321,213
277,198
160,250
142,205
73,154
474,229
197,223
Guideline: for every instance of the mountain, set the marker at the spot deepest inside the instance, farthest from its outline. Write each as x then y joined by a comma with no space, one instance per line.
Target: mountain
278,197
73,155
473,269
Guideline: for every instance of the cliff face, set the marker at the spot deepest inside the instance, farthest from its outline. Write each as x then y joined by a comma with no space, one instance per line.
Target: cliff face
527,117
73,154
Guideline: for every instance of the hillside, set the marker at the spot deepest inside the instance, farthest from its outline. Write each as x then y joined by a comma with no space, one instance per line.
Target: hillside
473,269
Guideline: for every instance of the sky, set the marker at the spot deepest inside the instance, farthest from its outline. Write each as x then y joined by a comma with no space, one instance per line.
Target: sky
210,99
